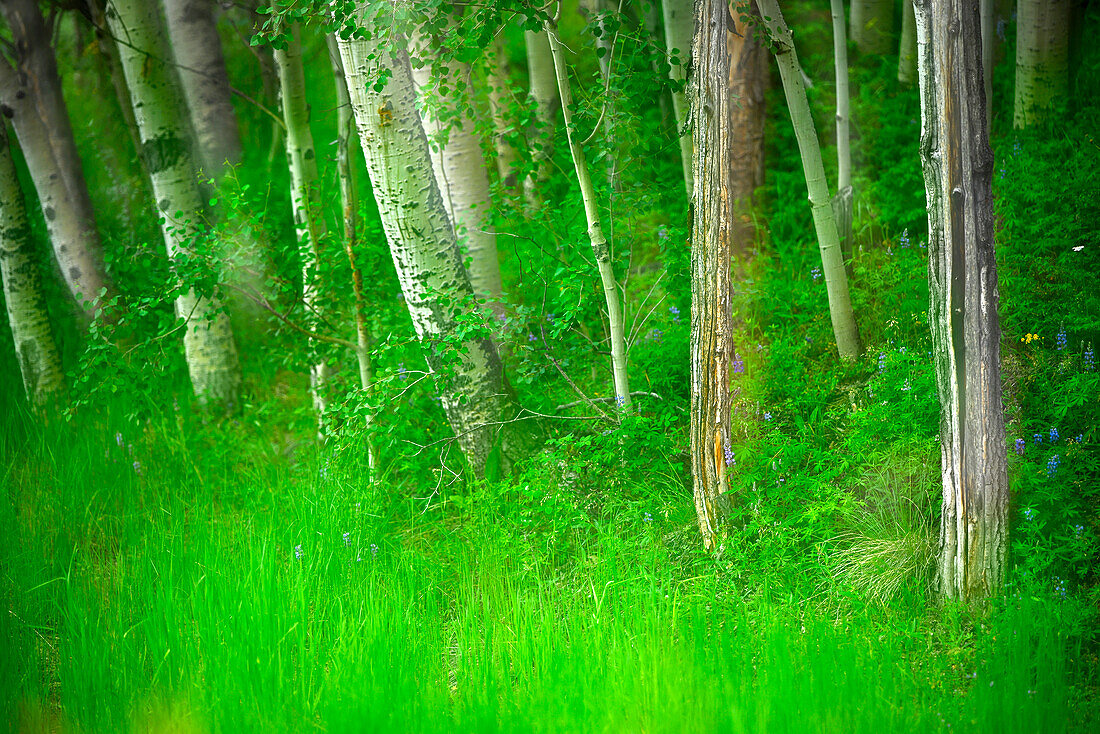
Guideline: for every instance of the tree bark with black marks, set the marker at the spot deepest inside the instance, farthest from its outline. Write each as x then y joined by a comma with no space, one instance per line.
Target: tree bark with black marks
963,313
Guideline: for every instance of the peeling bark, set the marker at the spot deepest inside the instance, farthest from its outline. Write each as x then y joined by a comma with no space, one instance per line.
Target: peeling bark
963,312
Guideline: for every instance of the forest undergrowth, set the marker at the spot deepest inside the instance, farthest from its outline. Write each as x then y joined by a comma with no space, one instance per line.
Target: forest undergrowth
163,570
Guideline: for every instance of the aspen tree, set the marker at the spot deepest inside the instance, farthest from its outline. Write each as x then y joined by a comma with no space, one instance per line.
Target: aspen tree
679,17
842,202
305,189
30,93
872,26
544,96
1042,59
500,93
963,311
422,243
907,54
210,350
845,329
600,247
35,348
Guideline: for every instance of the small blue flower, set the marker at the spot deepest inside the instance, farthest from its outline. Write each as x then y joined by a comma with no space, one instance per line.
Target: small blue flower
1029,514
620,401
118,440
401,371
1061,339
648,518
373,550
881,362
1020,444
1060,587
1089,359
137,469
675,312
1052,465
1077,530
738,363
905,237
531,337
767,416
347,540
730,459
1038,438
815,273
1053,435
298,551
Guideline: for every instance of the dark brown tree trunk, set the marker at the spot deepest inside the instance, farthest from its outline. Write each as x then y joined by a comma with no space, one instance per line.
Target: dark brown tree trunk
966,333
748,79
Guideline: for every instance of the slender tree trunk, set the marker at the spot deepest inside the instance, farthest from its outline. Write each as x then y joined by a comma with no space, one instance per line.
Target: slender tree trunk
828,239
679,16
107,49
208,342
461,173
873,26
197,48
595,13
715,232
31,96
1042,59
842,202
500,104
986,8
966,333
907,56
422,242
544,94
305,192
651,18
748,80
35,349
346,140
600,248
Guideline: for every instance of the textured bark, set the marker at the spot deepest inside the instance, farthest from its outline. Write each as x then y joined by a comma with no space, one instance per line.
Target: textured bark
600,248
197,48
832,263
843,201
422,243
963,313
346,141
873,26
748,80
714,234
907,55
208,342
986,9
1042,59
460,171
544,95
35,348
679,16
31,96
305,191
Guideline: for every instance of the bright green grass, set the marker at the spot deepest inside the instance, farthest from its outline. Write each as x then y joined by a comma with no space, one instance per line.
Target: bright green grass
173,601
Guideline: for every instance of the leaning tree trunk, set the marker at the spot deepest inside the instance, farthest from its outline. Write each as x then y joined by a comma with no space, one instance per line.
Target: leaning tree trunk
679,18
460,171
31,96
832,262
842,202
600,248
35,349
717,244
197,48
907,54
346,140
966,332
873,26
544,95
208,342
1042,59
305,192
422,242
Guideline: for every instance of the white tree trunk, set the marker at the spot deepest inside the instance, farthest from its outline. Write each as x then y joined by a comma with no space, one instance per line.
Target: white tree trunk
197,48
500,106
907,56
544,94
842,203
832,263
35,349
1042,59
595,13
208,342
679,18
31,96
873,25
966,334
600,247
460,170
422,242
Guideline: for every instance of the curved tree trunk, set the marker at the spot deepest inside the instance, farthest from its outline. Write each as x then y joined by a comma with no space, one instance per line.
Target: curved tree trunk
872,26
679,16
1042,59
305,191
425,252
832,263
35,349
544,94
31,96
208,342
600,248
197,48
962,269
460,171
